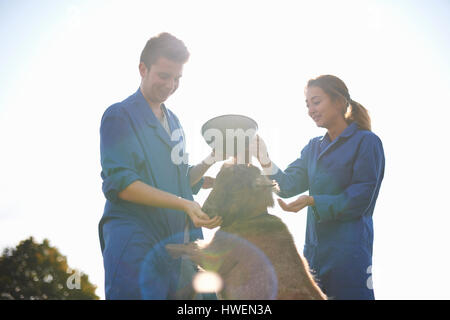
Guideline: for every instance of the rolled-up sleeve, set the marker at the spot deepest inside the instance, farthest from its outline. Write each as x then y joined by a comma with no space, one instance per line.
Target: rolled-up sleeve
360,195
119,150
294,180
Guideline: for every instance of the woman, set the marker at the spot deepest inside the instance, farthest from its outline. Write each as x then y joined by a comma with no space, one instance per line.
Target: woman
343,171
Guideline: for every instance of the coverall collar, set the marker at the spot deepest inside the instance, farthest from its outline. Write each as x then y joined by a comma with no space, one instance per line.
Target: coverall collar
348,132
152,121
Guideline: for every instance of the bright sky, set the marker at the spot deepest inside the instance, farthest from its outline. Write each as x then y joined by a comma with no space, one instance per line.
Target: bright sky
62,63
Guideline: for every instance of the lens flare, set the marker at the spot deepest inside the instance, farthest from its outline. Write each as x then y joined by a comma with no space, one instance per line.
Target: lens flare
207,282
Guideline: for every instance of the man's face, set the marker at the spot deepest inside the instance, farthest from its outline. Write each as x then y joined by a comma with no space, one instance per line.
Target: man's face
161,80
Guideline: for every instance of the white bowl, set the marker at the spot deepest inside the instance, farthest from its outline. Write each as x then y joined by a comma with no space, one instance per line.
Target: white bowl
218,131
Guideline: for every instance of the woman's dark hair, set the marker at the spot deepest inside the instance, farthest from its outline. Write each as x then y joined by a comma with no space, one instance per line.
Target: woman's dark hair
164,45
336,89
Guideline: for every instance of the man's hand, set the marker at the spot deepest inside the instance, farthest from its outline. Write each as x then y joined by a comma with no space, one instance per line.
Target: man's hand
197,172
217,155
199,218
208,182
298,204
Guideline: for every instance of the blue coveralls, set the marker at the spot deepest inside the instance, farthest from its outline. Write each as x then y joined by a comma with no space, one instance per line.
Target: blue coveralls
344,177
135,146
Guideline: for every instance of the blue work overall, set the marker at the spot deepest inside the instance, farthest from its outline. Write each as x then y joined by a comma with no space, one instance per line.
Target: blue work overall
344,177
135,146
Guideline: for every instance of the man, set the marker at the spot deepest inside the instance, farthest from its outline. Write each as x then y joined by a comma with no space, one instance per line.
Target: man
148,191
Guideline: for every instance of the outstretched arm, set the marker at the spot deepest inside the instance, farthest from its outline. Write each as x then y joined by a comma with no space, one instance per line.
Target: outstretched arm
141,193
197,172
293,180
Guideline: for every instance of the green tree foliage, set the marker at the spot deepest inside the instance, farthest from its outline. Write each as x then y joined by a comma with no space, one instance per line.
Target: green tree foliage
38,271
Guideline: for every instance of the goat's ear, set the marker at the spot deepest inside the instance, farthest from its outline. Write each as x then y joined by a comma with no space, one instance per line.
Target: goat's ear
263,182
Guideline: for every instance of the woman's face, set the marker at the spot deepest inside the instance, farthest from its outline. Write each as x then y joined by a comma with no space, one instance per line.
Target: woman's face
324,111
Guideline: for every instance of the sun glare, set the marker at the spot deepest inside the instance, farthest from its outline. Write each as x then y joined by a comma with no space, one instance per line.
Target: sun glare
207,282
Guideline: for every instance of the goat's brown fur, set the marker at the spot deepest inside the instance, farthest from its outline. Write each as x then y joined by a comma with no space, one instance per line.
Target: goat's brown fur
253,251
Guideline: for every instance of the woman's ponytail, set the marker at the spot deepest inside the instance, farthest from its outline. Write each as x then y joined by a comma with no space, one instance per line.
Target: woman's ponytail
357,113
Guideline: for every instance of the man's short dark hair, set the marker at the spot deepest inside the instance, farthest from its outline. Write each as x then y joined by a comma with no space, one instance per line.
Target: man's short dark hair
164,45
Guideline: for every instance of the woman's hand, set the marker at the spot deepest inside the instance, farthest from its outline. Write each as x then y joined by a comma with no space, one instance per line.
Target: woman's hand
297,205
258,149
199,218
